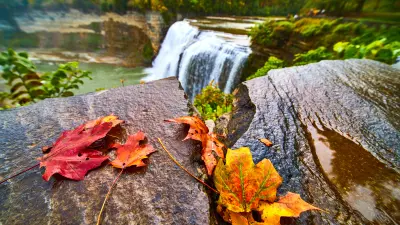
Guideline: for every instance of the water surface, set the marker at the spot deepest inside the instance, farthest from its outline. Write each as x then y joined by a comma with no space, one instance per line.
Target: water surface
364,182
104,75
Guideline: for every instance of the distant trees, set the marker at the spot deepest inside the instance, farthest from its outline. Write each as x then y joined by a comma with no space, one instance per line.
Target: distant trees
215,7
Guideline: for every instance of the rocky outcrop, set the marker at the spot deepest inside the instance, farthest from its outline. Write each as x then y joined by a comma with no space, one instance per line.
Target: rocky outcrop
161,193
131,39
336,134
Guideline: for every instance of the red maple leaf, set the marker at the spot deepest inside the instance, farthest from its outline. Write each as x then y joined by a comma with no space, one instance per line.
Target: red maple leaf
70,155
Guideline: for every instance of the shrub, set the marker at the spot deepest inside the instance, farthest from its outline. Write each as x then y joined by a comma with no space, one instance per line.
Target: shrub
282,32
308,27
66,78
312,56
343,28
20,74
272,63
148,52
262,33
27,85
376,50
212,102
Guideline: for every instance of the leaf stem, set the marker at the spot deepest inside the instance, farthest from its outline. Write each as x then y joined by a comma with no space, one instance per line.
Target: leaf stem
21,172
183,168
108,195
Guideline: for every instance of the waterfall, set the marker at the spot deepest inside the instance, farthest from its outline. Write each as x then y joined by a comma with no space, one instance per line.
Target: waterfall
197,57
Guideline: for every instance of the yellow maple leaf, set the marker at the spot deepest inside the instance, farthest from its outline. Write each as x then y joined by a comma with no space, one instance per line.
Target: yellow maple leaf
242,184
290,205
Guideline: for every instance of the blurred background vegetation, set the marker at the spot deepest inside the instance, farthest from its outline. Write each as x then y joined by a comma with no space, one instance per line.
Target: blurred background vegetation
216,7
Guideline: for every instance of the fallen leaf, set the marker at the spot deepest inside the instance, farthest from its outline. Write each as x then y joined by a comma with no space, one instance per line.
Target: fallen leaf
291,205
132,153
107,119
70,155
238,219
210,143
267,142
242,184
224,213
197,128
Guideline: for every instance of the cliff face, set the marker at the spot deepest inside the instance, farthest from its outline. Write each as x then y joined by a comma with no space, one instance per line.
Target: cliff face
129,40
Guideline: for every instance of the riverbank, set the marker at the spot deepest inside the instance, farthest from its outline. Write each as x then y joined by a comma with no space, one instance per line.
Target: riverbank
308,40
130,40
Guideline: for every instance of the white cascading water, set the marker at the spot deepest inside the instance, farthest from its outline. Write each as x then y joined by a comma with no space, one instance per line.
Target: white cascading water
197,57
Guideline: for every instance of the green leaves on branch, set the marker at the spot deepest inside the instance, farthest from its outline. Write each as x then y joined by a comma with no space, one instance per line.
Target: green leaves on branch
20,74
66,78
212,102
27,85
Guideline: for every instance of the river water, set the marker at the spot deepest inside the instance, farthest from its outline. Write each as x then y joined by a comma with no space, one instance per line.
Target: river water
105,76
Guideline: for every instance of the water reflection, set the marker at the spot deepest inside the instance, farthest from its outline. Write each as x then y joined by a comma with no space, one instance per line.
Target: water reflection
364,182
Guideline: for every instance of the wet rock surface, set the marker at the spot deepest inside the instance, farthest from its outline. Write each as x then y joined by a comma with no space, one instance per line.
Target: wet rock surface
160,193
336,134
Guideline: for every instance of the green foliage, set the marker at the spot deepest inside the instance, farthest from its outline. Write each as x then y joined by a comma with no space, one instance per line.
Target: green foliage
27,85
378,50
20,74
282,30
214,7
343,28
312,56
262,34
148,52
272,33
272,63
329,39
212,102
315,32
66,78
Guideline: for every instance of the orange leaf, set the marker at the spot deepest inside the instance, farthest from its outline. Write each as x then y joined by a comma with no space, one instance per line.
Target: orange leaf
238,219
242,184
107,119
132,153
267,142
290,205
197,128
199,131
211,144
